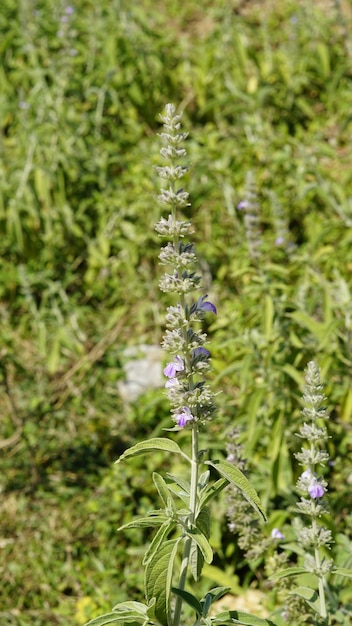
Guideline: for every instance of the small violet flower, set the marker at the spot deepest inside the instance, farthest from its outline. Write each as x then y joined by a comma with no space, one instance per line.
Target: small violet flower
277,534
309,481
171,383
173,367
205,305
200,352
315,489
242,205
183,416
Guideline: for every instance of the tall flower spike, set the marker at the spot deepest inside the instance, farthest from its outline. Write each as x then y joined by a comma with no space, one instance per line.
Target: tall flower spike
313,487
189,395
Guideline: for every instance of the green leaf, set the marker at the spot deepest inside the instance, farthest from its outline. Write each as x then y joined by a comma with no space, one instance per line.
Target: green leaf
212,596
321,331
158,443
239,617
130,605
203,522
179,488
189,598
164,530
289,571
211,491
292,372
202,542
126,612
342,571
309,595
155,518
196,561
163,490
203,480
158,579
235,477
108,618
178,481
268,316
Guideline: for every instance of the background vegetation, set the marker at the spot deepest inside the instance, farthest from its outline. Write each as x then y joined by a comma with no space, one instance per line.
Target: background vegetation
267,88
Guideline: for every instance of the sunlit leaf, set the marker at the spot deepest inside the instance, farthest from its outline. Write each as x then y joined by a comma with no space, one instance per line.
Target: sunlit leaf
239,617
237,478
163,490
201,541
151,445
158,579
161,535
289,571
126,612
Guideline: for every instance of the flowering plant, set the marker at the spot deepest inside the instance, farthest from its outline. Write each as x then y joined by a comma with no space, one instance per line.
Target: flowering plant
313,603
183,523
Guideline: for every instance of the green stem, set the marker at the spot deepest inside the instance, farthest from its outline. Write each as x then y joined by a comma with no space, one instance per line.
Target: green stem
191,520
321,587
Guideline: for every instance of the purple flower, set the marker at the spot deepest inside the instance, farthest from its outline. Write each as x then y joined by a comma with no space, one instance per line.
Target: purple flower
172,382
205,305
200,352
173,367
183,416
315,489
242,205
277,534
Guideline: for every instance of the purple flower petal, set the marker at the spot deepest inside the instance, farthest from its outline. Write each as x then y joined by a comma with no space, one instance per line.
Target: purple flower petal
277,534
316,490
205,305
172,382
183,416
197,352
171,369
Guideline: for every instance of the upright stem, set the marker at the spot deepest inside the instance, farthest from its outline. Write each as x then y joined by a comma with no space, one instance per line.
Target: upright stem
191,520
321,587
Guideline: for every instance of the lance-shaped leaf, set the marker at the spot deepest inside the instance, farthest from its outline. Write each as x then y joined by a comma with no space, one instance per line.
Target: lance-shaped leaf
108,618
196,561
309,595
158,443
165,529
202,542
289,571
190,599
342,571
158,579
163,491
155,518
183,484
211,491
212,596
203,521
237,478
239,617
124,613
